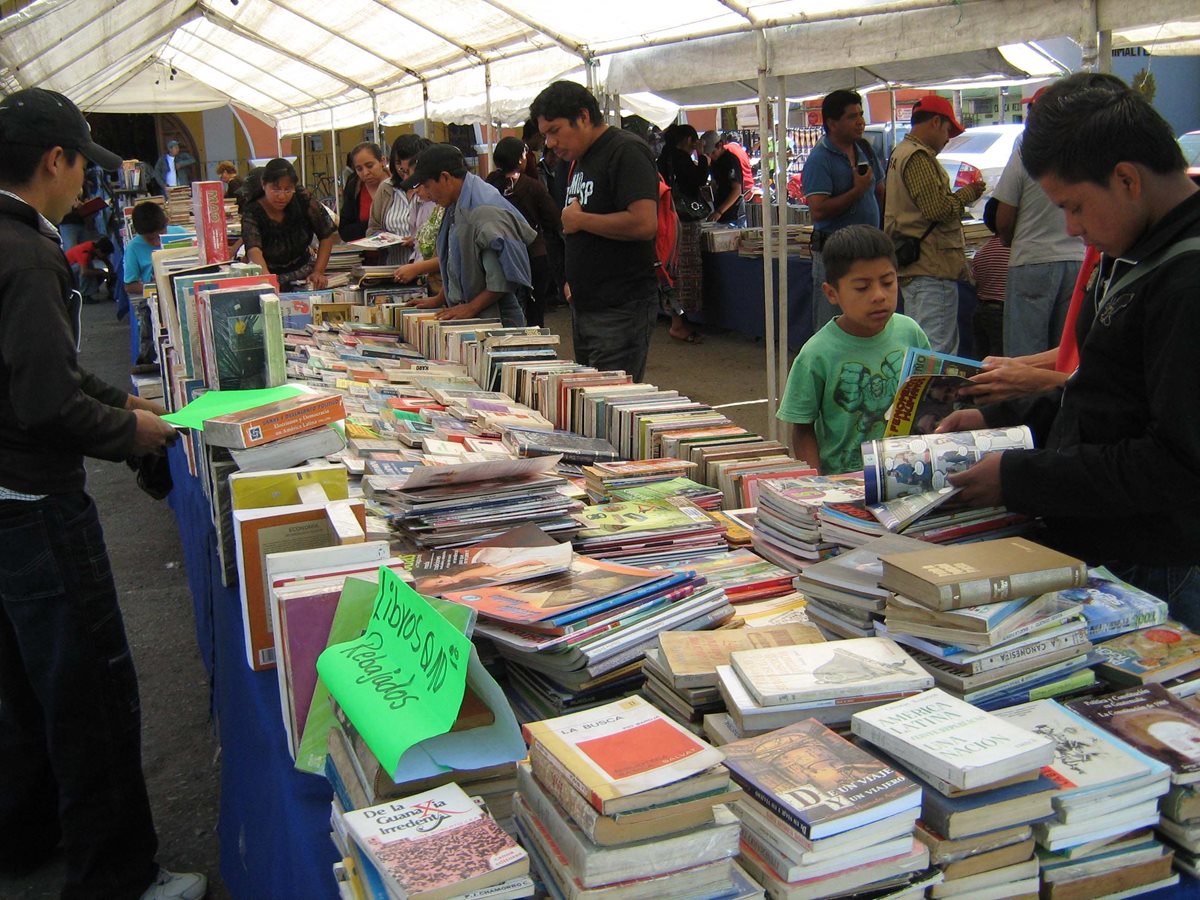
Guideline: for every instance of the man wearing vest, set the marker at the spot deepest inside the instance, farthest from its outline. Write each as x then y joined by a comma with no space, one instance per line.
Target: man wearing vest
843,183
1117,473
921,206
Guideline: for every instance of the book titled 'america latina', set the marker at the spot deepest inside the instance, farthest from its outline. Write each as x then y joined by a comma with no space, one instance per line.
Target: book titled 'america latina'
817,782
436,845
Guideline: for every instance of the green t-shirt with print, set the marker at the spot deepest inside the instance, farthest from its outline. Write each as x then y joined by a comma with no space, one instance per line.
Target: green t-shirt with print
843,385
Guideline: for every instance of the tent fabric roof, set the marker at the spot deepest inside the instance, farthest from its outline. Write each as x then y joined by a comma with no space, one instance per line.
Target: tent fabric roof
326,63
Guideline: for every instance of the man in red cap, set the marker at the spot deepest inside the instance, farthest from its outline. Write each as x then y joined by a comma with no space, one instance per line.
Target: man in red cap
924,218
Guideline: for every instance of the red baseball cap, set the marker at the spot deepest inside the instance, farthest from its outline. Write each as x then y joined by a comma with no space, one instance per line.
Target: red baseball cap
1034,98
939,106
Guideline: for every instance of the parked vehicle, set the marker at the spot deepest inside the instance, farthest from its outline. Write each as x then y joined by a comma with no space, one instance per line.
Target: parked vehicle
1190,145
883,138
980,152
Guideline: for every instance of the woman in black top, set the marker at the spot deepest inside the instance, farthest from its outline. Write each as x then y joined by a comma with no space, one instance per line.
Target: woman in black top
686,177
279,224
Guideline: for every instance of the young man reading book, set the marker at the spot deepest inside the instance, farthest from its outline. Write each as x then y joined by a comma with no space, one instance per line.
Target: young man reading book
846,375
1118,476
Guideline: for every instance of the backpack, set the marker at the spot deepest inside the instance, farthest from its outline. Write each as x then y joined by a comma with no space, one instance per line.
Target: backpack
666,238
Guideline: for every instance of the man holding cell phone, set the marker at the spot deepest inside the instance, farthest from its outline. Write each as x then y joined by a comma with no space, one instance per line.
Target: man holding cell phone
843,182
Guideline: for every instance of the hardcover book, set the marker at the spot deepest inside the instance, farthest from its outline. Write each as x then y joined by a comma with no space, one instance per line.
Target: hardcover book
436,845
1150,656
1153,721
837,669
959,575
952,740
817,782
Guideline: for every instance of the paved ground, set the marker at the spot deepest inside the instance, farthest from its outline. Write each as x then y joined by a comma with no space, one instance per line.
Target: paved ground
179,750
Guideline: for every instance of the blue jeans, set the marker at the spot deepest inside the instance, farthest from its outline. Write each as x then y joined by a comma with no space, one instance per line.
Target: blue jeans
70,718
616,337
822,310
1178,585
1035,305
933,302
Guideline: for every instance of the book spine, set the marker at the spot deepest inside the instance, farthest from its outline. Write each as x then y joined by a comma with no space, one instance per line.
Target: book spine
1009,657
772,804
1026,584
564,791
771,855
546,766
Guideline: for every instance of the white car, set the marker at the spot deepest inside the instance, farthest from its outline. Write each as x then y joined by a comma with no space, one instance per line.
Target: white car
980,152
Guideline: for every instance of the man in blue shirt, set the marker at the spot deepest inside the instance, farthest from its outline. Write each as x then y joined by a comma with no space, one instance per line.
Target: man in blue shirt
843,183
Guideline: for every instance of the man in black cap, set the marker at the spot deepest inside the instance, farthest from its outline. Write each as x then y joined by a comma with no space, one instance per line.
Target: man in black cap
482,243
70,725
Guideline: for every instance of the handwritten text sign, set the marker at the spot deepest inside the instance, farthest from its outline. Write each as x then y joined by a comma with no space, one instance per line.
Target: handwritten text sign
403,680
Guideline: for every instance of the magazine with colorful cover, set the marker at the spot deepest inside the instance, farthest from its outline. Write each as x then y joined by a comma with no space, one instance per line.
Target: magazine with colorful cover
1112,607
613,520
805,495
435,845
586,581
918,361
470,568
922,401
898,466
1151,655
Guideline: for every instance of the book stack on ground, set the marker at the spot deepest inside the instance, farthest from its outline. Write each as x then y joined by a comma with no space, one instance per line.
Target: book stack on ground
439,844
822,817
1167,730
981,775
787,530
843,592
576,639
681,669
771,687
620,802
1099,841
977,617
647,532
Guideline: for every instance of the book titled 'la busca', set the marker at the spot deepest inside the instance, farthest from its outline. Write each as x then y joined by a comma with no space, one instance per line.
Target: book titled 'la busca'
436,844
952,740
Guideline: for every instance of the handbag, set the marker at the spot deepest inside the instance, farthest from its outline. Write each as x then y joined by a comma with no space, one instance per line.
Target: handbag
691,210
908,248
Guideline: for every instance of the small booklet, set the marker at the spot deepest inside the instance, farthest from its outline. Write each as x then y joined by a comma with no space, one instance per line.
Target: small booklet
380,240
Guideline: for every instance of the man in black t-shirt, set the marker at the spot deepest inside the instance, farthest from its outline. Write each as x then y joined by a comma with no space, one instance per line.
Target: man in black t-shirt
727,176
609,221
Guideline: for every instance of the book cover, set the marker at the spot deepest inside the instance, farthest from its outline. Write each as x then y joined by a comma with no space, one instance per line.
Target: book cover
1153,721
280,419
837,669
472,568
1112,607
622,748
959,575
817,782
692,657
281,487
952,740
437,844
1150,656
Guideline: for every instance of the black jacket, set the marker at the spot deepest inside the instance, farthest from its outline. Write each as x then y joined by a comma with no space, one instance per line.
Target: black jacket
1119,479
52,413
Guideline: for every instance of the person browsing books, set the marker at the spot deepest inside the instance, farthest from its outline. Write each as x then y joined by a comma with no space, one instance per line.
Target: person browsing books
70,726
1117,473
279,224
846,375
149,226
481,243
370,171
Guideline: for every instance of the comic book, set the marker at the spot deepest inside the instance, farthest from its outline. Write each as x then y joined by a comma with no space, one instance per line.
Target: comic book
922,401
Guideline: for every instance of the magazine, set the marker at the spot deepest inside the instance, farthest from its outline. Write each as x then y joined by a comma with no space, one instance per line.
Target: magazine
898,466
923,401
471,568
929,362
380,240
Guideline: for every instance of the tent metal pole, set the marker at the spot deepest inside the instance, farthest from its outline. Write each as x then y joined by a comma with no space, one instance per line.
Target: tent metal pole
334,157
278,140
487,94
376,128
425,109
303,173
781,200
1104,52
764,157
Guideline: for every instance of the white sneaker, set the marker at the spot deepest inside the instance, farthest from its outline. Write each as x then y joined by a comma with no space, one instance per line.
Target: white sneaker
177,886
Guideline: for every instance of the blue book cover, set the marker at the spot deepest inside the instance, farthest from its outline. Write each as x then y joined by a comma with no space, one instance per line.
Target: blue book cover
1112,607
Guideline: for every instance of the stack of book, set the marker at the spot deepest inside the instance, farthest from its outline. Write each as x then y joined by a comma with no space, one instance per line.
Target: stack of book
1112,607
971,614
620,802
1167,654
604,478
843,592
743,575
1166,729
701,495
787,530
438,845
647,532
1098,842
981,774
179,205
822,817
771,687
681,669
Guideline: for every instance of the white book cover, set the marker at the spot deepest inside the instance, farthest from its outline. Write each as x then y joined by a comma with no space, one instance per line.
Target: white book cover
833,670
1087,759
952,740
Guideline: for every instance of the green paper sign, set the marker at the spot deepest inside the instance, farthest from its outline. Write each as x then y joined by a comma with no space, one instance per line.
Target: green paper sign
403,679
211,404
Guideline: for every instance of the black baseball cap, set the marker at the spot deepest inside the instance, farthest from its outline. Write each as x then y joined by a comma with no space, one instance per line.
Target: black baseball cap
38,117
432,162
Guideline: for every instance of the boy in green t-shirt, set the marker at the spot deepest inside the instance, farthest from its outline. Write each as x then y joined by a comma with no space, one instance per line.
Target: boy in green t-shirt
846,375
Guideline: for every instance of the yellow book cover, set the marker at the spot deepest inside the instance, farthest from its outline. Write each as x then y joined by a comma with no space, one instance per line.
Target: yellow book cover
281,487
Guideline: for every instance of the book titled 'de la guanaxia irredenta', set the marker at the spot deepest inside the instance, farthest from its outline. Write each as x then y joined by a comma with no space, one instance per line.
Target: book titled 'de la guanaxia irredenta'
436,845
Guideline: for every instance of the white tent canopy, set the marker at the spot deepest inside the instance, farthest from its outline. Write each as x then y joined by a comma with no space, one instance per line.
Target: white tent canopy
337,64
